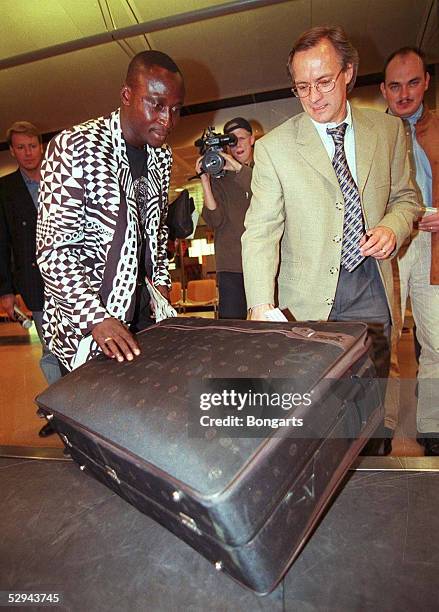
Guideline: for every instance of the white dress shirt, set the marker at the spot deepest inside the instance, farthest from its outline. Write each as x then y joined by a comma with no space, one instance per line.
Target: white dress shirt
349,140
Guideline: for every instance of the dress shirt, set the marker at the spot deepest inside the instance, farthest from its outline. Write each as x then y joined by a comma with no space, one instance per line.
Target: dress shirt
349,140
424,178
32,187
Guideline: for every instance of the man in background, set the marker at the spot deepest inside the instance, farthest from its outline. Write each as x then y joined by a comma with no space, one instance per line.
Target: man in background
226,200
102,218
18,219
405,82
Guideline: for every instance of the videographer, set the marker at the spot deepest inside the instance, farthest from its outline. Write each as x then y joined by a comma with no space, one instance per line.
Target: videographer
226,199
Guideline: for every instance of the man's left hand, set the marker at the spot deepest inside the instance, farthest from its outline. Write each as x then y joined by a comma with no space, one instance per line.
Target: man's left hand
429,223
378,242
231,163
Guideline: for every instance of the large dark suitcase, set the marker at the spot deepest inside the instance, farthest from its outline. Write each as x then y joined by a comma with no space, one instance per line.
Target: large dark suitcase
246,503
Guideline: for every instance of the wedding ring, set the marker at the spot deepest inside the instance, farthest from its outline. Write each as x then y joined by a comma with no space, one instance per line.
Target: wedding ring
108,339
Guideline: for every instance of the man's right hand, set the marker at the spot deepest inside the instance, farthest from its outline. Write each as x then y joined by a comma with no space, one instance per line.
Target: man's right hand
204,177
209,200
115,340
7,303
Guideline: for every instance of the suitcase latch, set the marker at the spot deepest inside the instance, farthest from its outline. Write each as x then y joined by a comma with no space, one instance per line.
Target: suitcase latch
66,440
112,474
189,522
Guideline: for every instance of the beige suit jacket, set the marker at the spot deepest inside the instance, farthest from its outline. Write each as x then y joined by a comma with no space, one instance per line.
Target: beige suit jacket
294,225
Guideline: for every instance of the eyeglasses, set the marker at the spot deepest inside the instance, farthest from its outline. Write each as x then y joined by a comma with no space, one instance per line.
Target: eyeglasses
302,90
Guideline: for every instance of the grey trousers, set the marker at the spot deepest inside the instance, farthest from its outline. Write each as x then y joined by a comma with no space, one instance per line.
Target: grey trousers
360,296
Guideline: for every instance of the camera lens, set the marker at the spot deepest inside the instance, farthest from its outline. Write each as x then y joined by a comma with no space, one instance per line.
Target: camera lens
212,163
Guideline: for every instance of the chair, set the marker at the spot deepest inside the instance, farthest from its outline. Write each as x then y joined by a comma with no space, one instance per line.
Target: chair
201,293
176,295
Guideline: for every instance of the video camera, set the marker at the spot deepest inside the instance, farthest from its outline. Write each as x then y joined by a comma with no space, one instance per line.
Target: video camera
210,144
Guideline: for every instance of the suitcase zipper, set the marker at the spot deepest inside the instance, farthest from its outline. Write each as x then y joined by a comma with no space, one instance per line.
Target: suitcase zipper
112,474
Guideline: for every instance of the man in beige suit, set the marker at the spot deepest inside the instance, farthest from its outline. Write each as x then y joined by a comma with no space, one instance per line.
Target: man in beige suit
332,199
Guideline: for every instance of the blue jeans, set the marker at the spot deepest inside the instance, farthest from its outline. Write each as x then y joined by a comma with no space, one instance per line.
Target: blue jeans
48,363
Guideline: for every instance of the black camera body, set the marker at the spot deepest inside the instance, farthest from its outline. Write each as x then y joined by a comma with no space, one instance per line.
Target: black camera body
210,144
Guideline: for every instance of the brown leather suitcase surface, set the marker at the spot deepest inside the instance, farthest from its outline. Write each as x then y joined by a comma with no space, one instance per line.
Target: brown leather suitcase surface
246,498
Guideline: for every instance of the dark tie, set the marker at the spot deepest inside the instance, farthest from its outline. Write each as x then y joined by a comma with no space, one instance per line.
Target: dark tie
353,225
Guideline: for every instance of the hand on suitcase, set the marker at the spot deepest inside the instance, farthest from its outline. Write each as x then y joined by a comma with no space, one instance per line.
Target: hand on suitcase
115,340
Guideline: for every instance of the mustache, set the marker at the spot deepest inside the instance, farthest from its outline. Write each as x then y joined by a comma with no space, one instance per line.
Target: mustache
405,100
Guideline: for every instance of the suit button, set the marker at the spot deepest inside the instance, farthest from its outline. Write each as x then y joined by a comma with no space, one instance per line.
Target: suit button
333,270
23,223
337,239
339,206
34,265
329,301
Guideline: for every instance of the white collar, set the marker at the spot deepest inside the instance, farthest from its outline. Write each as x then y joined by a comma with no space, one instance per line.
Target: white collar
322,127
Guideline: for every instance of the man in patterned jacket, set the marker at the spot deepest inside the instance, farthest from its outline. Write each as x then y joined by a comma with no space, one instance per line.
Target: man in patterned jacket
102,212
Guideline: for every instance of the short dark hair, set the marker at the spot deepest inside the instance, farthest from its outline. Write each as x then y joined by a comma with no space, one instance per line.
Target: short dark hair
338,38
22,127
147,59
403,51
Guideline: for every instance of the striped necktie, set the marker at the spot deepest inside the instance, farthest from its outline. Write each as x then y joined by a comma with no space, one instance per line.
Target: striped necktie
353,225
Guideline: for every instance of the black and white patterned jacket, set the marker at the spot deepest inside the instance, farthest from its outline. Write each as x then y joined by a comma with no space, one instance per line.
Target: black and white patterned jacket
86,190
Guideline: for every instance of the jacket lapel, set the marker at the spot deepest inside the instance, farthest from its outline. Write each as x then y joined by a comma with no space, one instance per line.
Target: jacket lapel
123,167
311,148
365,146
154,179
20,194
